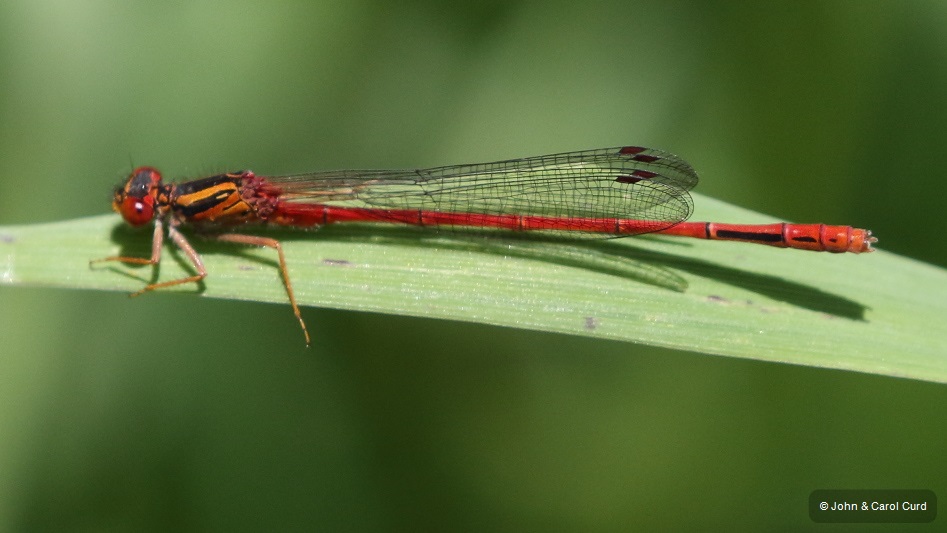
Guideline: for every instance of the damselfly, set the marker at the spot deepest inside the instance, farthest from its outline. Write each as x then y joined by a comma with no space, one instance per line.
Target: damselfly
612,192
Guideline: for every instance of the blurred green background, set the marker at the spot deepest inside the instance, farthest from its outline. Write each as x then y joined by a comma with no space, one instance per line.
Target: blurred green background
178,412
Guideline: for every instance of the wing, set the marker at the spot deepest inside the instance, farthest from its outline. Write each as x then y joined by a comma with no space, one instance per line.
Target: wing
624,183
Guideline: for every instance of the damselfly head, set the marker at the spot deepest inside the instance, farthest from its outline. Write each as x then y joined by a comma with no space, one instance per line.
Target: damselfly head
135,200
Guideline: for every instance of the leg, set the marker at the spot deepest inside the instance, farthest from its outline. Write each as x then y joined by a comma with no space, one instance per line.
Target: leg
191,254
254,240
156,244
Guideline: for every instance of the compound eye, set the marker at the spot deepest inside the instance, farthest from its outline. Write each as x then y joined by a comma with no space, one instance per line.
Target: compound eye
137,211
135,201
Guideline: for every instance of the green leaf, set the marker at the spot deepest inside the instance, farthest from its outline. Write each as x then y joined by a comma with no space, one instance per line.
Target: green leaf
876,313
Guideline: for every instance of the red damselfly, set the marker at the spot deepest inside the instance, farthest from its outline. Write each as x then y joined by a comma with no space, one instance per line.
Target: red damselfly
613,192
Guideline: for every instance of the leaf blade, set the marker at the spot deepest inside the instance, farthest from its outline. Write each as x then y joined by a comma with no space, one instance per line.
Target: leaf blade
879,313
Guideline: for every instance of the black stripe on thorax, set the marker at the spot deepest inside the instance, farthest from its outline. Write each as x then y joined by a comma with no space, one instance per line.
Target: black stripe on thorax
193,198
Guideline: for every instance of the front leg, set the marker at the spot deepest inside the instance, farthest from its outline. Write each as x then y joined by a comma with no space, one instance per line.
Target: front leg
157,243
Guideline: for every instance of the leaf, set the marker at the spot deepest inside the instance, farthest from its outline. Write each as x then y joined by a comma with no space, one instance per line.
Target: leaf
876,313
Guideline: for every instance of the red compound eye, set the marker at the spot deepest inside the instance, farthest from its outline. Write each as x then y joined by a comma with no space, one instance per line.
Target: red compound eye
137,211
136,200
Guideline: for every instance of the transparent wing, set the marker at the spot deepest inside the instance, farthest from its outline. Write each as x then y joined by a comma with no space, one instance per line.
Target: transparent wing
626,183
